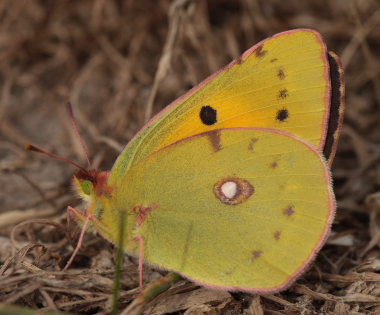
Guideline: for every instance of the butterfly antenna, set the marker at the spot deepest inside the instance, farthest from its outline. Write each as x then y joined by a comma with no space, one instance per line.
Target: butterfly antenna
69,108
33,148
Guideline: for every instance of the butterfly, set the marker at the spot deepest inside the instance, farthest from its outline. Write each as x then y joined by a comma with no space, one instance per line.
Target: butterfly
230,185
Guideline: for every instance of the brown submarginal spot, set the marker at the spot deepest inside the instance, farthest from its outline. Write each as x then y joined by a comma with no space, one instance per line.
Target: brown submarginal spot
233,190
289,211
277,235
257,254
273,60
281,74
274,164
283,94
251,144
214,138
282,114
259,52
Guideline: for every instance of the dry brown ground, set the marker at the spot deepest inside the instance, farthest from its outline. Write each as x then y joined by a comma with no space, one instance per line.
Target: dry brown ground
104,57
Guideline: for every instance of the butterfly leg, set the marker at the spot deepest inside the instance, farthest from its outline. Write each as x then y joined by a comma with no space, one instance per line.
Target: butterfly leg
86,218
142,213
140,239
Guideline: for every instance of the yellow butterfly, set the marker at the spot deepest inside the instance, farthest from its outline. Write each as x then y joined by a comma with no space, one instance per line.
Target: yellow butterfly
228,185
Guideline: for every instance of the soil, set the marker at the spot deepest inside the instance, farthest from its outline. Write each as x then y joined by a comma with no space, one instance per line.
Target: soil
120,62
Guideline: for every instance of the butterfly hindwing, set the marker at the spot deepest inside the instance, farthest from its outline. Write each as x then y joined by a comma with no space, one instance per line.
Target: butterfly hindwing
241,209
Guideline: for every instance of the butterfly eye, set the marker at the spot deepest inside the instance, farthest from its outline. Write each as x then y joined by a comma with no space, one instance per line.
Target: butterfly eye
208,115
233,191
86,186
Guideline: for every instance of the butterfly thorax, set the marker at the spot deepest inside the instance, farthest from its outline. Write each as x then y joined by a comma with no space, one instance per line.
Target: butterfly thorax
94,189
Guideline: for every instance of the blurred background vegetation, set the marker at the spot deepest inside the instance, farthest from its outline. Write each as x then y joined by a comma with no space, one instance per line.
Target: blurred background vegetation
119,62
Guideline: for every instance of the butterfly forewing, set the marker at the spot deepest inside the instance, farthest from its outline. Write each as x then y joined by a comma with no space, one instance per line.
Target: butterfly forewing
281,83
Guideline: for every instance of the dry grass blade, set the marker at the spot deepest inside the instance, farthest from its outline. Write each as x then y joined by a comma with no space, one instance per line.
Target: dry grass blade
176,15
119,62
255,308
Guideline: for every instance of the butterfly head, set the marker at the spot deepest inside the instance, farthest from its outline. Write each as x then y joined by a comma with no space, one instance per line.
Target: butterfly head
91,184
92,187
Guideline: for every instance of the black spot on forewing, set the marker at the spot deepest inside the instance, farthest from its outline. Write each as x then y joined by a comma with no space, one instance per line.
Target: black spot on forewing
208,115
282,115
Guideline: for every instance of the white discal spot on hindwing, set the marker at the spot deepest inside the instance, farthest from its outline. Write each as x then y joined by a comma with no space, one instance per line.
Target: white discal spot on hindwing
233,190
229,189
